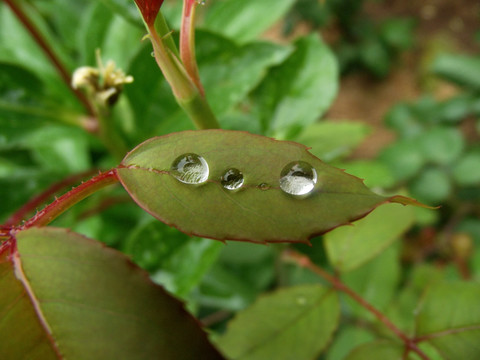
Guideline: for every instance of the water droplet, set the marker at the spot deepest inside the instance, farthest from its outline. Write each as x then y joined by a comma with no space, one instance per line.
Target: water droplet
232,179
190,169
152,54
298,178
264,186
201,2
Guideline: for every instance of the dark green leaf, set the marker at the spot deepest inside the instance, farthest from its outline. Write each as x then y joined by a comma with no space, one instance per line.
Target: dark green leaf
245,20
259,211
449,318
292,323
70,297
298,92
125,8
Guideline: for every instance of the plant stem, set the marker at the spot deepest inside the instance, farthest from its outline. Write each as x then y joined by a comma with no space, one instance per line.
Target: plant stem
38,37
64,202
38,200
184,89
304,261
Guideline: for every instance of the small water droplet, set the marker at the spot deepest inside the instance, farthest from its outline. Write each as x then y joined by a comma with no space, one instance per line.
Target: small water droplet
232,179
298,178
152,54
201,2
264,186
190,169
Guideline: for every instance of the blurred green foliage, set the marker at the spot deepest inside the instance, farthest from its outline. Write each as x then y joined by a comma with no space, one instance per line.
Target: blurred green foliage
275,90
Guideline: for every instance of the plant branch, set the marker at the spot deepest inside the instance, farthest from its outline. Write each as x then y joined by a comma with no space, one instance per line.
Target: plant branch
304,261
64,202
42,43
40,199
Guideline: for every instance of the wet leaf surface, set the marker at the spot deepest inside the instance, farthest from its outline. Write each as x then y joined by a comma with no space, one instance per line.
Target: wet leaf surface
264,208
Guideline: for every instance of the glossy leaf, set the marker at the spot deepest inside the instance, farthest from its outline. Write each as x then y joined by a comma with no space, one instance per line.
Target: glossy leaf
66,296
350,247
300,90
259,211
245,20
449,318
292,323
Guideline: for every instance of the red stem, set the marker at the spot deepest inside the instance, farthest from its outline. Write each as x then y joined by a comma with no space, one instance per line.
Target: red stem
37,36
64,202
38,200
305,262
187,43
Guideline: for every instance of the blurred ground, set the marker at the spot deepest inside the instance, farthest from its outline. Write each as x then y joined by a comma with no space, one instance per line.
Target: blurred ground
441,25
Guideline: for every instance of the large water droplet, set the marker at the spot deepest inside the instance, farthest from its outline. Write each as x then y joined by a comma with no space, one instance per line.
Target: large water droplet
232,179
190,169
298,178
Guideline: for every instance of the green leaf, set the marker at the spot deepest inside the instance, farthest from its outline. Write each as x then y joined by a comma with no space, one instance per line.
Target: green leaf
404,158
378,350
229,71
349,247
346,340
66,296
442,145
125,8
374,172
466,171
245,20
461,69
449,318
332,140
376,281
292,323
299,91
259,211
432,185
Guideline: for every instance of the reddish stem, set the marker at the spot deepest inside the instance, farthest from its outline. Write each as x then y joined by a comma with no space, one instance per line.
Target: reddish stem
37,36
305,262
64,202
38,200
187,43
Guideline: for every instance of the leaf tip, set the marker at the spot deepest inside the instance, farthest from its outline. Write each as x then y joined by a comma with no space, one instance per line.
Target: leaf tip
404,200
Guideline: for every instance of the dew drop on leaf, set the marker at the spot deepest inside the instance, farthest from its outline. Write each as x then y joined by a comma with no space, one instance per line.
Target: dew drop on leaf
190,169
298,178
232,179
264,186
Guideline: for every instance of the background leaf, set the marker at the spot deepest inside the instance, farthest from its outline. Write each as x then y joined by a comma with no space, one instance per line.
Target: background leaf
92,300
452,328
245,20
292,323
252,213
349,247
299,91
